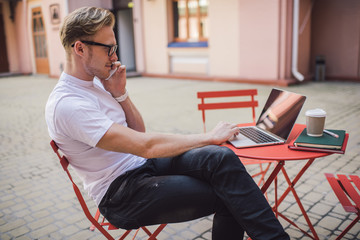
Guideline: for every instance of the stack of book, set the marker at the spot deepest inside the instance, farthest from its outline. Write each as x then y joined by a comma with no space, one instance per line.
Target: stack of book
325,143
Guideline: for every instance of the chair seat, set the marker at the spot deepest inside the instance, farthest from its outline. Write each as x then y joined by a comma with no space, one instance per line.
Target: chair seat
347,190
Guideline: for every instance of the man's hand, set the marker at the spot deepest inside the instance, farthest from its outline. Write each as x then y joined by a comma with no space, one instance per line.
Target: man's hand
117,82
223,132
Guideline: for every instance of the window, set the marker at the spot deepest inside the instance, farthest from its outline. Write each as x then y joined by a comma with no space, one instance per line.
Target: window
191,22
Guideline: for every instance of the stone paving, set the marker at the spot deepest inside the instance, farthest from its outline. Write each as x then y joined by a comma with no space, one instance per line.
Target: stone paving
37,200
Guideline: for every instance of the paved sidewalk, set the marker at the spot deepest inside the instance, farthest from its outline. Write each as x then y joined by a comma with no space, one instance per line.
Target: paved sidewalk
37,201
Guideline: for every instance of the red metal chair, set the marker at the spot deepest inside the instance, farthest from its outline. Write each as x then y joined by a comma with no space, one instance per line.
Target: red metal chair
347,190
225,103
102,224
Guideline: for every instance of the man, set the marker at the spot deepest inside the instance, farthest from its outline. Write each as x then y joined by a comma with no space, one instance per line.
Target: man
139,178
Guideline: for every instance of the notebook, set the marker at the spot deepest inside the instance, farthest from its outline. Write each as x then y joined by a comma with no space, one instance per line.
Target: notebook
275,121
325,141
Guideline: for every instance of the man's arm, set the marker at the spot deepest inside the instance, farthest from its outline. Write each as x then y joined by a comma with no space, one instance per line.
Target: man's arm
133,116
150,145
134,140
116,86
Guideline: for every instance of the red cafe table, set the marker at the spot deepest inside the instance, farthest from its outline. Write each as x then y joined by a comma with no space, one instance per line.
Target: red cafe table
281,154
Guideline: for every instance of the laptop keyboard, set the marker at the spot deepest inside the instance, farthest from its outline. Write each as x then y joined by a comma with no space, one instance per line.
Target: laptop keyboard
257,135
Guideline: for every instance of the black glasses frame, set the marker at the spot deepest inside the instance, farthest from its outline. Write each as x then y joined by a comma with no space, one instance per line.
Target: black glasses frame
112,48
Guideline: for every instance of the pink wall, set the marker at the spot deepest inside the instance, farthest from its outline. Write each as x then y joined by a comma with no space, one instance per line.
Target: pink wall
244,39
224,38
16,40
248,40
259,36
74,4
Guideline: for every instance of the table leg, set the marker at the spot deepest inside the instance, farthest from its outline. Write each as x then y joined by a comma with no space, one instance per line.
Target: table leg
292,189
272,176
296,179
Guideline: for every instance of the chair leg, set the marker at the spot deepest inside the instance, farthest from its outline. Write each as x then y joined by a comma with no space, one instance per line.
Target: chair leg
136,232
152,236
349,227
97,215
157,231
125,235
263,173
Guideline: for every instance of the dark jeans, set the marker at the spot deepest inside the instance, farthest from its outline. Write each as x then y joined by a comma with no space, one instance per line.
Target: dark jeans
195,184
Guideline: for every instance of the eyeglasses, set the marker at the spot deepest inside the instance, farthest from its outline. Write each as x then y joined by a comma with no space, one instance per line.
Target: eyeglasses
112,48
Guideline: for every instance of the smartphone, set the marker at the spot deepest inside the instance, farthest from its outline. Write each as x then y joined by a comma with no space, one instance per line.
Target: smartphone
113,70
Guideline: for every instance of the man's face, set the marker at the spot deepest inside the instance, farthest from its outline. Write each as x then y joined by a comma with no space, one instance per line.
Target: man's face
97,61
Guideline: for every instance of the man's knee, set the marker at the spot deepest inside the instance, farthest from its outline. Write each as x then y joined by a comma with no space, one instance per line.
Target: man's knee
222,155
215,149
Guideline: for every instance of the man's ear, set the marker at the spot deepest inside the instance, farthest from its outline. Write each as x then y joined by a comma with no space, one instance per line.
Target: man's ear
79,48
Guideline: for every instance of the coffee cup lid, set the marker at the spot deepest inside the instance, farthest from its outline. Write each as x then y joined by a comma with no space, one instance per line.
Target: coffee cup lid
317,112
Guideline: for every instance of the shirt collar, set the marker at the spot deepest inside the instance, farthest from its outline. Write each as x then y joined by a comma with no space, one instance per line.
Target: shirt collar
77,81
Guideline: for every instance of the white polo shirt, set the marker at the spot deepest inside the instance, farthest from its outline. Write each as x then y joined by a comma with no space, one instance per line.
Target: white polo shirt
78,113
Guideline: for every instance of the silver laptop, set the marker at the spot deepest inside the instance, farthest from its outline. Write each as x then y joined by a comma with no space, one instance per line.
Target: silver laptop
275,121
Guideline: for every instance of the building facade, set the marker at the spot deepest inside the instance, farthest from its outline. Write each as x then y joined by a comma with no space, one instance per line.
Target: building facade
276,42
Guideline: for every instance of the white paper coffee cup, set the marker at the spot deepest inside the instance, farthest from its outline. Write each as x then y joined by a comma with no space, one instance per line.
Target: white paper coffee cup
315,122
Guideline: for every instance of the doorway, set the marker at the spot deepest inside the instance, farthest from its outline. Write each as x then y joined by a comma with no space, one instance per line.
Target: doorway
39,38
126,38
336,37
4,64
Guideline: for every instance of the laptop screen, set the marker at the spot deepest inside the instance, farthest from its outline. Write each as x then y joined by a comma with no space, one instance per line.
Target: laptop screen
280,112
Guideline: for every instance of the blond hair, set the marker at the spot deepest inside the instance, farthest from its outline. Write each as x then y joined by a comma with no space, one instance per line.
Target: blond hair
83,23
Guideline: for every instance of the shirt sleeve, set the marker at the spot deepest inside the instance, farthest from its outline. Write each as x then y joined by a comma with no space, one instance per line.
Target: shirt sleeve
81,120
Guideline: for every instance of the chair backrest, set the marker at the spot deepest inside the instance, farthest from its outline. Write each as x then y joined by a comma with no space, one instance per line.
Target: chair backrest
65,163
251,103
